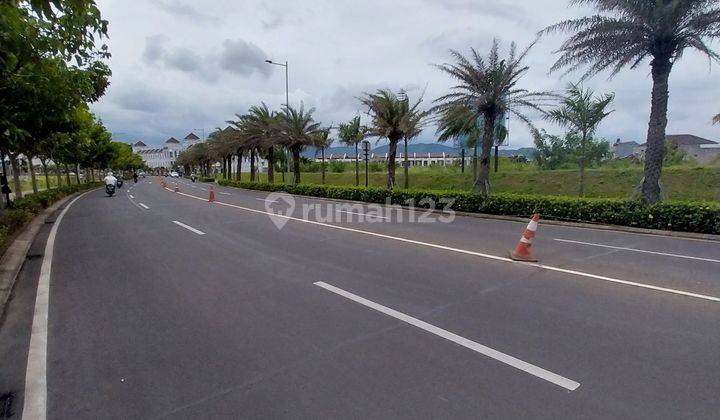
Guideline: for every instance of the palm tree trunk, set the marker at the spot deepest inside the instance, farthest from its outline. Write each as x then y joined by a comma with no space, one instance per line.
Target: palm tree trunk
239,166
392,154
357,167
475,162
271,165
296,164
33,179
482,183
583,140
77,173
322,167
655,147
16,175
252,165
405,166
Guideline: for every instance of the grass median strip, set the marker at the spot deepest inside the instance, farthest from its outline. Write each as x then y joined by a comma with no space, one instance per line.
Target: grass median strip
526,367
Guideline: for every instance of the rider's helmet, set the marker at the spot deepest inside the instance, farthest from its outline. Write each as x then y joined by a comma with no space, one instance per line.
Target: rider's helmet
110,173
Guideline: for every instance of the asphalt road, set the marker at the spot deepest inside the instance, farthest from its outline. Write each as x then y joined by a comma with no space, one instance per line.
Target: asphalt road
163,305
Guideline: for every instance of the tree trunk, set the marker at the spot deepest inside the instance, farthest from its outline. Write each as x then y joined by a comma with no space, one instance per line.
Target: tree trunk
77,173
357,167
67,174
392,154
475,163
58,174
45,173
252,165
322,165
482,183
405,165
496,158
239,166
655,147
33,179
271,164
296,164
16,176
582,164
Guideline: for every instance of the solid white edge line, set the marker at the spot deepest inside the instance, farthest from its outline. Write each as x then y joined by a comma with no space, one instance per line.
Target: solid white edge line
622,248
477,254
35,394
190,228
144,206
522,365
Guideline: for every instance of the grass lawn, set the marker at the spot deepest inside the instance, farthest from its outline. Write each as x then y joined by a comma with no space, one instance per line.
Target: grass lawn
26,183
680,183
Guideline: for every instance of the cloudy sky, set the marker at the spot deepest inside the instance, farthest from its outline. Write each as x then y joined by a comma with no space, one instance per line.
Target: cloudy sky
188,65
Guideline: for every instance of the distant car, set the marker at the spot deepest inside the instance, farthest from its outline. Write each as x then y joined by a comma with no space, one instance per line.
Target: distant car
174,174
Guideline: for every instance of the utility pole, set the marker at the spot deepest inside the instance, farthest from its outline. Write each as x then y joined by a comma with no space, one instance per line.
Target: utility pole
287,107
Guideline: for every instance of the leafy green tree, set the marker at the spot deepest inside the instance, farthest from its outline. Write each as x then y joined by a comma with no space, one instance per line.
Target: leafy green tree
298,130
487,88
581,112
555,152
352,133
625,34
393,117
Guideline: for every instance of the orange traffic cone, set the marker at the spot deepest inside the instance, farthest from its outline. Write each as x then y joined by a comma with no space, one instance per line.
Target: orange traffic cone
212,195
522,250
177,189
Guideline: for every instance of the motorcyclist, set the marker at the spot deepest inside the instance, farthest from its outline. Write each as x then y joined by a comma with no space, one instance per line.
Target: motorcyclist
135,177
110,179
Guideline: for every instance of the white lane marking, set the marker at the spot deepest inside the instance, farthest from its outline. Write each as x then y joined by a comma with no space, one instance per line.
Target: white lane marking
477,254
190,228
622,248
144,206
537,371
363,214
223,193
265,199
131,196
35,405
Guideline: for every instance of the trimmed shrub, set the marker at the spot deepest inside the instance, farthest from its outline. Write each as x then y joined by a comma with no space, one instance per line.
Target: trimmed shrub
24,209
206,179
686,216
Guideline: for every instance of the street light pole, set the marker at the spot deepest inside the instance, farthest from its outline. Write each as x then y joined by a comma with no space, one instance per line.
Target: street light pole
287,106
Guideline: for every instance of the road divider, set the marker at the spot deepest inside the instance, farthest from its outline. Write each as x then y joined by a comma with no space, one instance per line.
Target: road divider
524,366
469,252
622,248
190,228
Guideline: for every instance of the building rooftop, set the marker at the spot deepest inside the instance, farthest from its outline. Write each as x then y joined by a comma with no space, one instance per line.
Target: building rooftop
192,136
687,139
172,140
140,144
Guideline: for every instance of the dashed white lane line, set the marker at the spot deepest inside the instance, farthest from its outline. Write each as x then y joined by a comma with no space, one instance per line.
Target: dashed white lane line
35,405
363,214
144,206
223,193
622,248
190,228
265,199
131,196
468,252
526,367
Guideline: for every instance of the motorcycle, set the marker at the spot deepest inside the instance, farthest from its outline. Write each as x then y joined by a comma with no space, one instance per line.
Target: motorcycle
110,189
119,182
193,178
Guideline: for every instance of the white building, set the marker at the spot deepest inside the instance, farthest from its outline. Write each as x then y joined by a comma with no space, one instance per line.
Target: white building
156,157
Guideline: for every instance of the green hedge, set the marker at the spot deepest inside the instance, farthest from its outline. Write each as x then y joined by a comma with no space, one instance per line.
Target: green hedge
687,216
24,209
206,179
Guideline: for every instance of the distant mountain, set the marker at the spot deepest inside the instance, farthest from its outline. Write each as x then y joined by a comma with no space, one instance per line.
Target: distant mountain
419,148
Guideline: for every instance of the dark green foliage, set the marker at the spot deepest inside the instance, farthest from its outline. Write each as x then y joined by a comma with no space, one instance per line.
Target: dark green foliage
684,216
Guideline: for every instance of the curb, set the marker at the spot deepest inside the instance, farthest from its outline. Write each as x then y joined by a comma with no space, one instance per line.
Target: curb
581,225
13,259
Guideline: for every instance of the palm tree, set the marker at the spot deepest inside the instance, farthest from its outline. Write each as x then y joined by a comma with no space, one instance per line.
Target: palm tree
487,89
716,119
452,123
581,112
392,118
298,130
625,34
352,133
322,140
260,128
414,127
